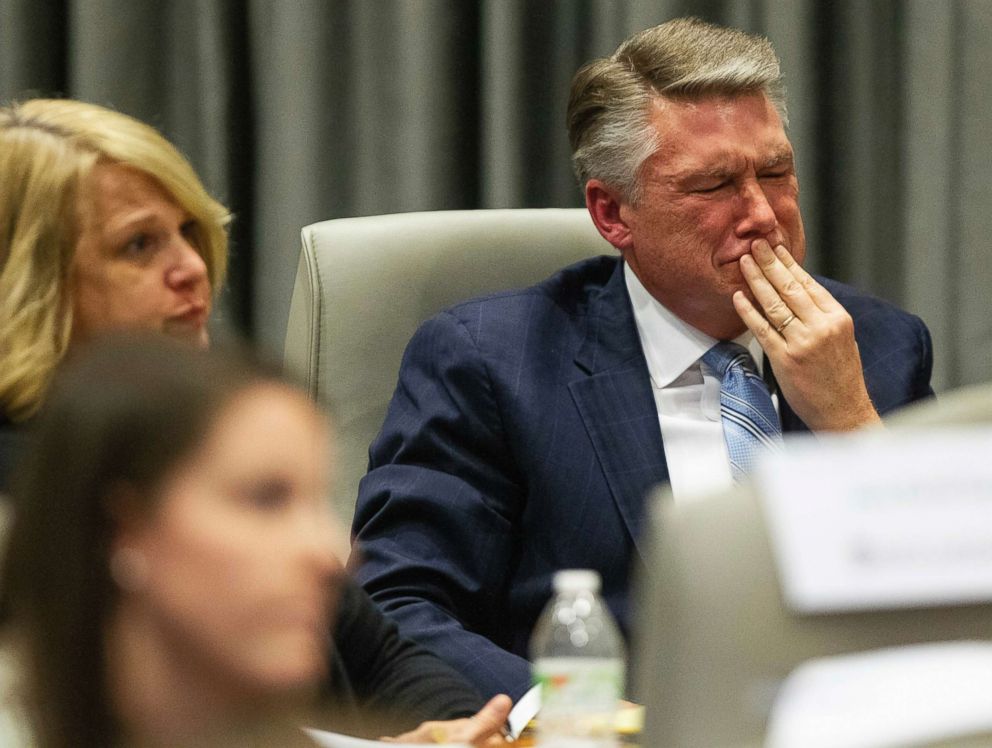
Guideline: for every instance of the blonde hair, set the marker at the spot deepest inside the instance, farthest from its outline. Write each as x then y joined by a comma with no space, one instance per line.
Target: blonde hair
47,149
609,108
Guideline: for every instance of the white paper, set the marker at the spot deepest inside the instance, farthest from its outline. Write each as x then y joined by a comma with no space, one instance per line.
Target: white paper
524,711
889,697
882,520
337,740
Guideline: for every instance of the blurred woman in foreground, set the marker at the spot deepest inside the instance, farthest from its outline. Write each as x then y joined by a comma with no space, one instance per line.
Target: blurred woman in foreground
172,574
104,225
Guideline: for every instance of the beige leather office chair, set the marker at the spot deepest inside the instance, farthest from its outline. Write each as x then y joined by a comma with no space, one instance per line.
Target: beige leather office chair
365,284
714,640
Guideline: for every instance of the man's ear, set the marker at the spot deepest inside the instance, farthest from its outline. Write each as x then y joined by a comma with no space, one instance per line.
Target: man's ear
603,203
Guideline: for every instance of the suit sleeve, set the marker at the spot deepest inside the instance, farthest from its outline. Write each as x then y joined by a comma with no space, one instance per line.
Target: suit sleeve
901,356
924,388
392,676
437,517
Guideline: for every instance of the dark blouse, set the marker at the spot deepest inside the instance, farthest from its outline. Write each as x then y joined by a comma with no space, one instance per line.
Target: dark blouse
383,684
12,439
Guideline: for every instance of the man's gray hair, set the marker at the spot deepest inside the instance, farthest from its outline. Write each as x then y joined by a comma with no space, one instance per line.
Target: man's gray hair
609,109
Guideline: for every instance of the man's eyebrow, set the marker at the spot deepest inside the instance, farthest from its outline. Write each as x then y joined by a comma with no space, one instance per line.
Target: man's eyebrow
730,167
782,157
716,171
722,171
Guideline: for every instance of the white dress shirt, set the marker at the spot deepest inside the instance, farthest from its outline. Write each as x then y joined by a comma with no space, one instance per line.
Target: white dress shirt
686,392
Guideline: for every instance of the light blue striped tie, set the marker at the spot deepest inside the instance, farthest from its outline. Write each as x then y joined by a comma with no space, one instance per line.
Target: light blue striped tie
750,423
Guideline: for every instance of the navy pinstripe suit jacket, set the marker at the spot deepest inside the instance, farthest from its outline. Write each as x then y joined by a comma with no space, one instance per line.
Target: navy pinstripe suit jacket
523,438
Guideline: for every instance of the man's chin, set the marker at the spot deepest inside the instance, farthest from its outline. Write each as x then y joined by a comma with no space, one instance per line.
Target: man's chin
731,275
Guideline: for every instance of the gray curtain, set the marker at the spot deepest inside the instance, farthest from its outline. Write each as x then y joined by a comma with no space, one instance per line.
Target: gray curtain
296,111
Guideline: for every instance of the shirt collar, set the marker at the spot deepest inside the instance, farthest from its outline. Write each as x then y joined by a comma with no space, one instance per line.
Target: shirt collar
673,347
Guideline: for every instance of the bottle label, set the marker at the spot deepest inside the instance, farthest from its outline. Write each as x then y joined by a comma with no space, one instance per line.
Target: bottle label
578,700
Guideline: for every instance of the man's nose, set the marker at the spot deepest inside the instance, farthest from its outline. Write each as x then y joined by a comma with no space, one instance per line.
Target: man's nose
756,214
188,268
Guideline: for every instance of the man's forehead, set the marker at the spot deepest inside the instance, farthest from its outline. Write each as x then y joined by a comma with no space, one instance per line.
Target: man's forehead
662,104
718,133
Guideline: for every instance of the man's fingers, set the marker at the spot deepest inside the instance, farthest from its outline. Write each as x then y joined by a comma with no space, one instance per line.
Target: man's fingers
820,296
770,341
787,294
776,309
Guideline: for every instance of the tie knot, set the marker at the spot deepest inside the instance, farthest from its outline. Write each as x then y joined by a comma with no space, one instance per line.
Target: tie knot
726,354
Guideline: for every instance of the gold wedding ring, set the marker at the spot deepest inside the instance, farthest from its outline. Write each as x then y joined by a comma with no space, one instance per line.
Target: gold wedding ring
785,323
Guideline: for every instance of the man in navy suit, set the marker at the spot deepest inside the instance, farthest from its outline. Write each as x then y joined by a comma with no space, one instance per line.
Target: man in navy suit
528,426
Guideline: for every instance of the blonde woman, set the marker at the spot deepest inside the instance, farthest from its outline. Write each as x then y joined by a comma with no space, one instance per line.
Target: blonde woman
103,225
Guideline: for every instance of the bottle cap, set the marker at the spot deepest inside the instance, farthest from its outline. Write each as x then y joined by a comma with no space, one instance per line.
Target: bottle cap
576,580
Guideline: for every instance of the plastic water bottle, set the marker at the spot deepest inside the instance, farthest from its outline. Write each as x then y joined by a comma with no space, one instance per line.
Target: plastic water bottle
578,656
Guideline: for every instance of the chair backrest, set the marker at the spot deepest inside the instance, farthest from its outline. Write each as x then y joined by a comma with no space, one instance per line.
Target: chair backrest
364,285
715,641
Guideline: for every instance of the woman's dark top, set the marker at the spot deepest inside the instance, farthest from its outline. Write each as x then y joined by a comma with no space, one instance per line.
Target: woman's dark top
383,684
12,442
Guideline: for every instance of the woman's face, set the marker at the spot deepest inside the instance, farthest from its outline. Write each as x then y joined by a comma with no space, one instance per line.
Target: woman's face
136,263
241,552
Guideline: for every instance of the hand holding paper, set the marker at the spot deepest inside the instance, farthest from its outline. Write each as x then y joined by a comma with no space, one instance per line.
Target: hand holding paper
482,730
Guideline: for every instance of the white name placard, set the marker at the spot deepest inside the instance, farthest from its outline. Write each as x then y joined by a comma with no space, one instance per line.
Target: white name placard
883,519
911,695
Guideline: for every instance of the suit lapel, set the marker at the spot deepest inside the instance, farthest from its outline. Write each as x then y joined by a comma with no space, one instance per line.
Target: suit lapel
617,405
790,421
